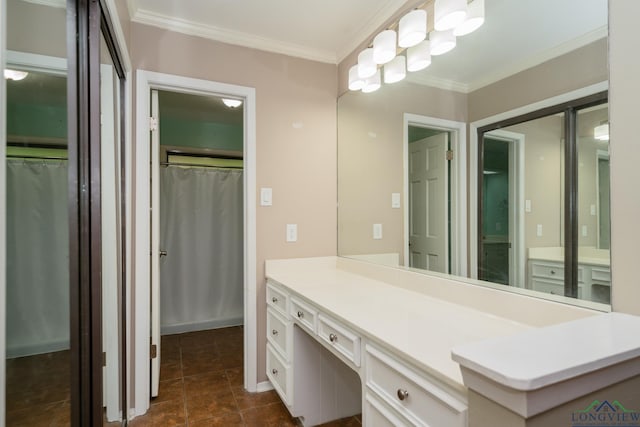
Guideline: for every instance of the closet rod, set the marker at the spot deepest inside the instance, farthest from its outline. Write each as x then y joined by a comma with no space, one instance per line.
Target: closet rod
199,166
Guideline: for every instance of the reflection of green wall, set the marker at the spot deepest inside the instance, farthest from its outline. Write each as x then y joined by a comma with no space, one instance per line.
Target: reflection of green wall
417,133
37,120
496,204
200,134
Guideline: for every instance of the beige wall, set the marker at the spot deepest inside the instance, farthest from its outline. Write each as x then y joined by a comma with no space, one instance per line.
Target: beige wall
45,33
577,69
298,163
371,156
625,154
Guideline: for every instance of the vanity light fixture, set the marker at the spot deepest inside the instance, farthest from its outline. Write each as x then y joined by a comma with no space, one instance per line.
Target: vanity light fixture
449,14
366,66
14,74
412,28
395,70
442,41
601,132
474,19
419,56
372,83
231,103
384,47
355,82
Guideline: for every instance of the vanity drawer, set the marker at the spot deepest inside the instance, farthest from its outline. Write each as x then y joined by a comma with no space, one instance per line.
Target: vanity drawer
420,400
376,414
601,275
304,314
340,338
552,287
279,333
276,298
548,270
280,375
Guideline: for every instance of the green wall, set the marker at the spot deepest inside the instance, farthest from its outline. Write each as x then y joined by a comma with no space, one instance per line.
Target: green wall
200,134
45,121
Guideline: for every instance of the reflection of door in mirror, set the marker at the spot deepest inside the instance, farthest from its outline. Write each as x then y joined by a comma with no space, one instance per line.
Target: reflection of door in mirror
428,201
38,377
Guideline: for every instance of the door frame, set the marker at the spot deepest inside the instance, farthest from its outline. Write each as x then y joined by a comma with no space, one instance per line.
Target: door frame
145,82
516,192
473,155
457,185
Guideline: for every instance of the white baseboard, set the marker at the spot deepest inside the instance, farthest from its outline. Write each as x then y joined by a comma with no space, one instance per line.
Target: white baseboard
264,386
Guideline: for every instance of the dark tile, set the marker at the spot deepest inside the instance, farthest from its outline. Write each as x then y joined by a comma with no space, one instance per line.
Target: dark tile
248,400
170,390
198,339
231,419
272,415
54,415
164,414
209,383
235,376
210,405
232,360
344,422
170,371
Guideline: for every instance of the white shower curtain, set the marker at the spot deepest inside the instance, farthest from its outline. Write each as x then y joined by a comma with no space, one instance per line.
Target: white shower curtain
201,229
37,257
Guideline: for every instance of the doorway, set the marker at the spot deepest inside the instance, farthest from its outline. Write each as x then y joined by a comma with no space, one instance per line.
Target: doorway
146,265
435,225
200,178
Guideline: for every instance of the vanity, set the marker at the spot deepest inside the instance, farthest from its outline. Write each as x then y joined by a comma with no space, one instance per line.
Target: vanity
346,337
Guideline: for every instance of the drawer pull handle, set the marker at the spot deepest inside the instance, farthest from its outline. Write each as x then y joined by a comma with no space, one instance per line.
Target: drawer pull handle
274,371
553,272
274,332
300,314
274,300
333,337
402,394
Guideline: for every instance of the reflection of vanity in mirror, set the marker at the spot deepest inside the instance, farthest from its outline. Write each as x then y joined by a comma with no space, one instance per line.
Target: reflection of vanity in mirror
409,190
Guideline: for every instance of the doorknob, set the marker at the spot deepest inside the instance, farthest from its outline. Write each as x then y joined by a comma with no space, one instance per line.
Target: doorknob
163,253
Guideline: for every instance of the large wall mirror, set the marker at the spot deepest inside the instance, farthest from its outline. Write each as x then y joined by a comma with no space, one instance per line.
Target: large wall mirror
410,193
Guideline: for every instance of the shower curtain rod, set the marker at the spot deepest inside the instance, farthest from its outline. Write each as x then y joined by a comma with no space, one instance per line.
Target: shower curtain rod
28,157
200,166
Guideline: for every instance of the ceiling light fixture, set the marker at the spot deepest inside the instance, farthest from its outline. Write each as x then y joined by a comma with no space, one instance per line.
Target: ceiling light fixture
366,66
442,41
372,83
474,19
601,132
14,74
355,82
395,70
384,47
449,14
419,57
232,103
452,17
412,28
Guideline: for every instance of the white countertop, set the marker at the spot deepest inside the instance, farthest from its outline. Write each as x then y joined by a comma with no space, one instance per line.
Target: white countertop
421,328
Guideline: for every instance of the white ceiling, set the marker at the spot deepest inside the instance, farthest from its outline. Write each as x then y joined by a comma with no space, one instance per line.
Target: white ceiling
517,34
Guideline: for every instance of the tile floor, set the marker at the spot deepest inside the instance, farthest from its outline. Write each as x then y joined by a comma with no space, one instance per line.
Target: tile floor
201,377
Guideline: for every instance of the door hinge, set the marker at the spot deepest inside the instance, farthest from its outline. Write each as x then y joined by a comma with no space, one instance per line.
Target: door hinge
153,124
449,154
154,351
104,358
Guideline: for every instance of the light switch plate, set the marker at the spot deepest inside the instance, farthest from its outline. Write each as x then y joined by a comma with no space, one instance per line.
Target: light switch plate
395,200
593,210
527,205
377,231
584,231
292,232
266,197
539,230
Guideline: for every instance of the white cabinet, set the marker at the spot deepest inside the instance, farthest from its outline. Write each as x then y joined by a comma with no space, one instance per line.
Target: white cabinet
323,368
417,398
594,281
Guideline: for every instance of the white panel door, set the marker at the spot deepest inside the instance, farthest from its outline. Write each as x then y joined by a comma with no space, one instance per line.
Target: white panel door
428,208
155,245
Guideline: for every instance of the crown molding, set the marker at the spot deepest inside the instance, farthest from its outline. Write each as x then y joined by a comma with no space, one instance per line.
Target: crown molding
61,4
427,80
229,36
538,58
